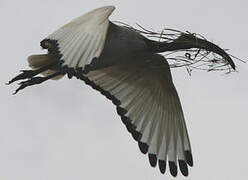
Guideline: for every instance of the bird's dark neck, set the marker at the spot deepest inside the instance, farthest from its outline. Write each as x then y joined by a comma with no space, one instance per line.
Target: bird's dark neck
159,47
185,41
188,41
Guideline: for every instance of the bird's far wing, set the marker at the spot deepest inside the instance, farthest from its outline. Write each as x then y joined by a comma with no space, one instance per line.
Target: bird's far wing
149,106
77,43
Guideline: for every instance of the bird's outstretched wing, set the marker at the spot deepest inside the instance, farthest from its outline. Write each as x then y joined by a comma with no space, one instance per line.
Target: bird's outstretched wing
77,43
149,106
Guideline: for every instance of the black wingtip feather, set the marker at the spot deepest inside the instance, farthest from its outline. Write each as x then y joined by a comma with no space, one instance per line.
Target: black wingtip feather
162,166
189,158
121,111
152,159
70,72
124,120
130,127
136,135
143,147
173,168
183,167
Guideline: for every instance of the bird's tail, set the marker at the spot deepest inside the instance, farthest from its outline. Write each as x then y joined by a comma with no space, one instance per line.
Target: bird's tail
44,64
41,60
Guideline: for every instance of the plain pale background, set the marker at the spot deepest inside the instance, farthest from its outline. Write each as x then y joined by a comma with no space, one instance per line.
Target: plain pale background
65,130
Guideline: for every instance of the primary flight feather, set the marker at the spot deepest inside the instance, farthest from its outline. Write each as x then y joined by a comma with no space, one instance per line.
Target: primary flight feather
125,67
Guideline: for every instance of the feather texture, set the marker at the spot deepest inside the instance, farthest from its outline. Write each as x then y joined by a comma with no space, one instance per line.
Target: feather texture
149,107
82,39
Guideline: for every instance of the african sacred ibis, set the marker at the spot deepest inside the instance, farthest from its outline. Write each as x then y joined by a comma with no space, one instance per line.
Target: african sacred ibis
126,68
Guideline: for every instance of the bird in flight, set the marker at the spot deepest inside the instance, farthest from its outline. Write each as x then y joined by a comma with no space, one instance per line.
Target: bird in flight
126,67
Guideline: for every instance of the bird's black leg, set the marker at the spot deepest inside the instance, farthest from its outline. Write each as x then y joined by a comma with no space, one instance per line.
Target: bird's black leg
24,75
27,74
35,80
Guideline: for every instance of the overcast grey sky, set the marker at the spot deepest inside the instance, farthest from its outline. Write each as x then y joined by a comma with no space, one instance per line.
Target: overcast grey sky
65,130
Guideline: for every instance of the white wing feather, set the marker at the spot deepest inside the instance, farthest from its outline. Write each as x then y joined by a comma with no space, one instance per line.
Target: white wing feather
82,40
152,108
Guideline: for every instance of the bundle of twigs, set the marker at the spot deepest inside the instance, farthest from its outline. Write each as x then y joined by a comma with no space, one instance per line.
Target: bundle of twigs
193,58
